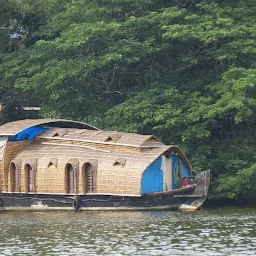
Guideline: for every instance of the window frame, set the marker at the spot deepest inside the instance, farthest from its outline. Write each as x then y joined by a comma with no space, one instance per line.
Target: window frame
88,176
70,179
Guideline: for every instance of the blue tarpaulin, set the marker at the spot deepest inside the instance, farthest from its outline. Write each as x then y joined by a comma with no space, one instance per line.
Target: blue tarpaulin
152,178
28,134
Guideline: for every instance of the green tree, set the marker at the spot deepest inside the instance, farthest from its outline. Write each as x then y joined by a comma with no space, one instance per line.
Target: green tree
182,70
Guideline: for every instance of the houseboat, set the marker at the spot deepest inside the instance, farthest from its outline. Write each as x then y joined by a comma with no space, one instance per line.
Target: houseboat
54,164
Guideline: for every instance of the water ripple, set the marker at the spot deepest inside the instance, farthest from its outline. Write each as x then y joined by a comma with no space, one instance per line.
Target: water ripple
221,232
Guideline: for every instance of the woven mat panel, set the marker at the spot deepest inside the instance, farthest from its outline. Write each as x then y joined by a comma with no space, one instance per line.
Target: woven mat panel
50,180
119,181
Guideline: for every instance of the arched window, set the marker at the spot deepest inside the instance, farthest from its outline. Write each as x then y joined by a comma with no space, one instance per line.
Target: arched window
70,179
88,178
29,174
14,175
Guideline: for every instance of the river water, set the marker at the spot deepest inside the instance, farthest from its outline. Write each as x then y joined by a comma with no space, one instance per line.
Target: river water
218,232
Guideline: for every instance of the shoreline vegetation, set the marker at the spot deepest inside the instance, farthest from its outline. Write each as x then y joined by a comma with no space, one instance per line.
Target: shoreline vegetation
184,71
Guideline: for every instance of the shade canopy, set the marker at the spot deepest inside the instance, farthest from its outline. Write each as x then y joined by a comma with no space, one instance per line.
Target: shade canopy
15,127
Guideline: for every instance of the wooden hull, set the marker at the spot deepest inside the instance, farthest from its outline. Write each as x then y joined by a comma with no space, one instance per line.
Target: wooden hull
186,198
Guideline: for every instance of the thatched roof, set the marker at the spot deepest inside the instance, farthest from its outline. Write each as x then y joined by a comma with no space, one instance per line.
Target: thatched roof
15,127
105,137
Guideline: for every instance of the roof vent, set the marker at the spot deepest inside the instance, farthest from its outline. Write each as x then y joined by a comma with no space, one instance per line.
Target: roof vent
54,162
120,162
113,138
151,141
109,139
60,133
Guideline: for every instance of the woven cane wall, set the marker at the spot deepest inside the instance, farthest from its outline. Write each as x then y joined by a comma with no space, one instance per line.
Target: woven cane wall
119,181
110,175
108,178
50,180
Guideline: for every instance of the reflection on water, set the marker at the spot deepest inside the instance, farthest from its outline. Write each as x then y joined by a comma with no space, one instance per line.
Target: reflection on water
229,231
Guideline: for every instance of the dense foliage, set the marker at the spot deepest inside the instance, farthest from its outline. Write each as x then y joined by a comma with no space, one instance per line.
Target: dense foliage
183,70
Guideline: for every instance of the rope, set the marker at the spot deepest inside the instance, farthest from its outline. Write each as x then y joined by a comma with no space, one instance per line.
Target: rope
178,172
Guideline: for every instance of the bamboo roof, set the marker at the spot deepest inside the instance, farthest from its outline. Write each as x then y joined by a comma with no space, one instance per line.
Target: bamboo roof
15,127
89,140
105,137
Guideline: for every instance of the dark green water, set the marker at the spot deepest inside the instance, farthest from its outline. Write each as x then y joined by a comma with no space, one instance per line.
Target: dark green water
225,231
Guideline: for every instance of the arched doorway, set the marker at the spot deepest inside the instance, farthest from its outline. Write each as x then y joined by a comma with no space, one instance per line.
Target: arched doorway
29,174
152,178
14,176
